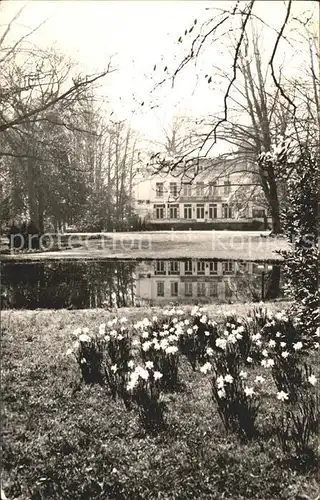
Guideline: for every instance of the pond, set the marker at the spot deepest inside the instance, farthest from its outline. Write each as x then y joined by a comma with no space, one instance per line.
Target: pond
104,283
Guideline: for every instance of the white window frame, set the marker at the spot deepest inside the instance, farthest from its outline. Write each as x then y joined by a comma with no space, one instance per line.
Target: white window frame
227,187
188,267
174,208
173,267
213,268
213,211
226,211
213,289
187,208
160,268
228,267
188,289
200,211
200,188
159,192
213,188
187,189
201,289
158,210
160,288
201,268
175,292
173,186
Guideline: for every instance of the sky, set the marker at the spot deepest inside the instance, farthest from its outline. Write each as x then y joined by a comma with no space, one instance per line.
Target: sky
138,35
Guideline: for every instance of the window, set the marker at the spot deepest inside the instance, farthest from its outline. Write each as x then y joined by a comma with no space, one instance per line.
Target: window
174,267
187,212
213,214
258,213
187,189
228,290
200,189
140,202
159,189
173,211
160,267
200,267
200,211
201,288
228,267
174,288
188,288
226,211
160,288
213,188
148,202
213,289
227,187
213,267
159,211
173,189
188,267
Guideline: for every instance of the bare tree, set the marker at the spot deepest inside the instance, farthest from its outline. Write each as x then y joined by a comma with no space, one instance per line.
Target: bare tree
35,76
262,95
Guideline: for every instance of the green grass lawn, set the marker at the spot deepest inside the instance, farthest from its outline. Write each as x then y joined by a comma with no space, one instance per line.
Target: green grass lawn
63,440
248,245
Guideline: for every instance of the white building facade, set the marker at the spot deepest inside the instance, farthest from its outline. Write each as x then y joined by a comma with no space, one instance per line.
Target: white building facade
200,195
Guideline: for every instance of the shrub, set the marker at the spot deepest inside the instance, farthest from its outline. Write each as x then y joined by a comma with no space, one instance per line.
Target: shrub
144,385
298,425
236,399
88,351
198,337
301,222
158,343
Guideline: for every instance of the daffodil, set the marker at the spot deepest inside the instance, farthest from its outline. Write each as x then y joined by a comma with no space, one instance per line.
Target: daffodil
297,346
249,391
282,396
228,378
312,380
157,375
206,368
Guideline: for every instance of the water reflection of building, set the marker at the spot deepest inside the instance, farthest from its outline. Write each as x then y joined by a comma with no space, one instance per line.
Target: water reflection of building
161,281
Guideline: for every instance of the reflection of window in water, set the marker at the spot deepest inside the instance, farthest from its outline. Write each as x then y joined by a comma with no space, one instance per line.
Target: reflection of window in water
213,289
188,289
174,288
201,288
160,288
160,267
174,267
228,267
201,267
213,267
188,267
228,290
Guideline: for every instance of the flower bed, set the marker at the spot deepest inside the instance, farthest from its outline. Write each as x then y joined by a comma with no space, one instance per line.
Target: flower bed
175,405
